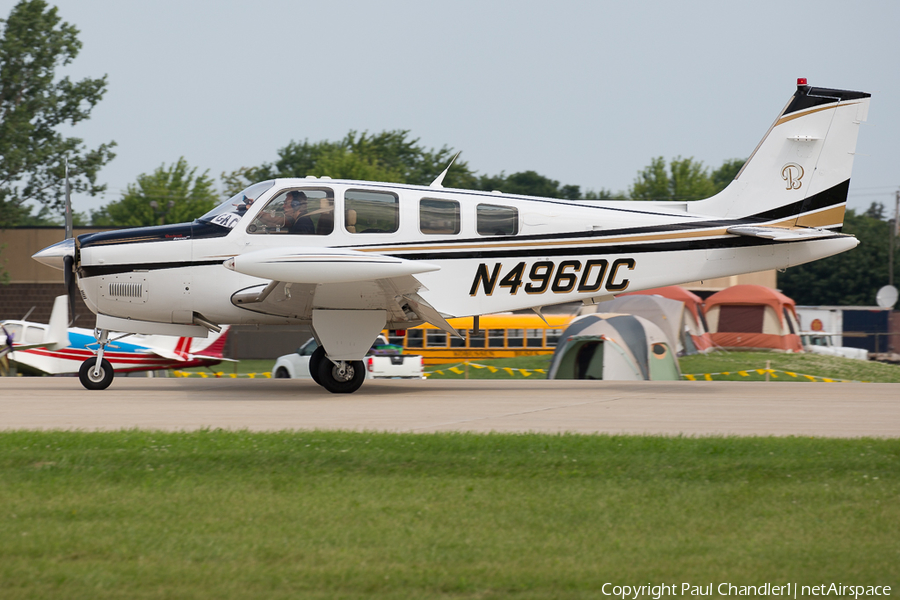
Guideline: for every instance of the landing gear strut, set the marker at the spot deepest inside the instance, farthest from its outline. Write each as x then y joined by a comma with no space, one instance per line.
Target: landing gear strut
96,373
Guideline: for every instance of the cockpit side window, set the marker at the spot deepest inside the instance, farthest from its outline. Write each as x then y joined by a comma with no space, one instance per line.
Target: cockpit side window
14,330
438,216
296,212
371,212
493,219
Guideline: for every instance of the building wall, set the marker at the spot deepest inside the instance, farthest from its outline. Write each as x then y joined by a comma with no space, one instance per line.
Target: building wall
704,288
20,299
17,245
33,286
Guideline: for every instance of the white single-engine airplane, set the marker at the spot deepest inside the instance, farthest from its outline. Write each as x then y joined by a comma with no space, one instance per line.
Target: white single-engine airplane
351,258
57,349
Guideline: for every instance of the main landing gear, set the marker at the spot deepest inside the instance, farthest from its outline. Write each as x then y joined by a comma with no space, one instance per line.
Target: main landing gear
96,373
341,377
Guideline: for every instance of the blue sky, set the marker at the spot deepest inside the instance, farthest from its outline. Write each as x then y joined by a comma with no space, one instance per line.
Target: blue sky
584,92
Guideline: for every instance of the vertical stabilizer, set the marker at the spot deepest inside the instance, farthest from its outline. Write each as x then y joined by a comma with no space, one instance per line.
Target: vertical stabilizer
799,174
57,335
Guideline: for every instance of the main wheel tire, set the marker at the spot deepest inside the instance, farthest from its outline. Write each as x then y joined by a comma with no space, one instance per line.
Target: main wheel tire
341,382
315,360
102,380
282,373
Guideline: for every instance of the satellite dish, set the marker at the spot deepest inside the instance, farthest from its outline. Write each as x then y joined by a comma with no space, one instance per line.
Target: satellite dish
886,297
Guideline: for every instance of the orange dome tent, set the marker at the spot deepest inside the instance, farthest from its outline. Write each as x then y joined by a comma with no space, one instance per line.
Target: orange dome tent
753,316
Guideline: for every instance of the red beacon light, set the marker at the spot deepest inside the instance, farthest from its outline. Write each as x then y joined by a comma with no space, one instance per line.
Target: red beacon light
801,81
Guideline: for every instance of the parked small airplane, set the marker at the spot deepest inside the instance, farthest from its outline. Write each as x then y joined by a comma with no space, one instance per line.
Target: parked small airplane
351,258
56,349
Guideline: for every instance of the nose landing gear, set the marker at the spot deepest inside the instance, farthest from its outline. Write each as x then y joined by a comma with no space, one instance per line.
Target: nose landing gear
96,373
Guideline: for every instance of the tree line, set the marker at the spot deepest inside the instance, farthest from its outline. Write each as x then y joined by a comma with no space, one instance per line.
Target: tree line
34,156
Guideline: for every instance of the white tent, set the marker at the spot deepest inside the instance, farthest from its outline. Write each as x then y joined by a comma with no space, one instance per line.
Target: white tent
666,314
615,347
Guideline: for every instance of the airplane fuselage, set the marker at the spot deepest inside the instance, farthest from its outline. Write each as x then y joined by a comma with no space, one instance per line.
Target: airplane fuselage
559,252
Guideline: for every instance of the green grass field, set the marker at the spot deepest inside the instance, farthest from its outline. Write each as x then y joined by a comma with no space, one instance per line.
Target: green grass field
215,514
700,364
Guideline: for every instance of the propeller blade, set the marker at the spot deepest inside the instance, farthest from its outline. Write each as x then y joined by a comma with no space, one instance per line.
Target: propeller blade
71,284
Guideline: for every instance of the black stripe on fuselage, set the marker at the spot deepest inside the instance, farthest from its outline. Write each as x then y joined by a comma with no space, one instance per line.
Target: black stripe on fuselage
105,270
610,250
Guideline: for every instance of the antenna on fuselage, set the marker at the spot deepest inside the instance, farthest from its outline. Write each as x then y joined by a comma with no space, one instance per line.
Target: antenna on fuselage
439,180
69,226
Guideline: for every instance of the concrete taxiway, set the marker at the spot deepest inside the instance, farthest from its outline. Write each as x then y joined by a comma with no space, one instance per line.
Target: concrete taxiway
670,408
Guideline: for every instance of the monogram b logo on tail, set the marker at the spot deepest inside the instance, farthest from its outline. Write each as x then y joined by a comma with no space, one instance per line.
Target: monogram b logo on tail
792,173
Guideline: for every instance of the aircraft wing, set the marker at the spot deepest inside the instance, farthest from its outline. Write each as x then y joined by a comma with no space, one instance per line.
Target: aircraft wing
338,278
324,265
780,234
4,350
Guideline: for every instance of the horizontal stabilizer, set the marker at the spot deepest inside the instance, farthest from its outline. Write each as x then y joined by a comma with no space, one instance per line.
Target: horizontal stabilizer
781,234
324,265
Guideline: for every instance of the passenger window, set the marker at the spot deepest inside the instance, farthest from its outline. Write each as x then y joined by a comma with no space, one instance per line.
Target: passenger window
535,338
298,212
438,216
497,220
34,335
435,338
515,338
371,212
476,340
495,338
414,338
553,336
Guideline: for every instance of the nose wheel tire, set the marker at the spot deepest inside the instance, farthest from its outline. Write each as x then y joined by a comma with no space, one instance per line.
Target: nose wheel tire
99,381
338,380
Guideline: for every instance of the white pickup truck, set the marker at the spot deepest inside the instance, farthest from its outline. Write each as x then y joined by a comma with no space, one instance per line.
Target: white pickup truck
383,361
821,343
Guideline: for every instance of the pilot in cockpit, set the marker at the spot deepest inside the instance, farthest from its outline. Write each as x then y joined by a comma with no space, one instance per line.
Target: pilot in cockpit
245,205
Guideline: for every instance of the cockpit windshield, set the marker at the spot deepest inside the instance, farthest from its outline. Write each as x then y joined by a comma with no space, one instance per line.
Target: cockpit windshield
232,210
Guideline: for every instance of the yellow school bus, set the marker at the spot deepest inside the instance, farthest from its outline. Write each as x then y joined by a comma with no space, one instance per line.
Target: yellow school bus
499,336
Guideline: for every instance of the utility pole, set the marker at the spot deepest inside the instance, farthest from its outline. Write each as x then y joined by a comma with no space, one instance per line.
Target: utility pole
894,230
